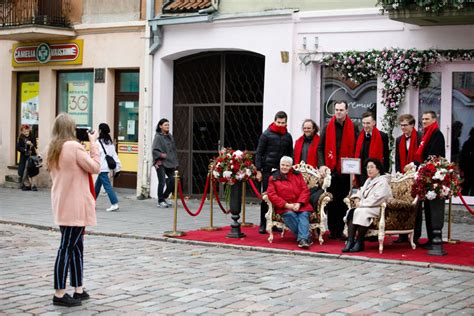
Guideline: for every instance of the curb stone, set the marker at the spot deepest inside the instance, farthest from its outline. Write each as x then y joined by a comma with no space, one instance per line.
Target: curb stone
258,249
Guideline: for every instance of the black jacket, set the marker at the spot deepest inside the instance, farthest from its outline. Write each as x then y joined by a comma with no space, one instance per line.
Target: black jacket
322,142
397,151
271,147
364,154
435,146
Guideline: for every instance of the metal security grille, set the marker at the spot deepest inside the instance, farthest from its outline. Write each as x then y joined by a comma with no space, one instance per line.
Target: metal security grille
218,101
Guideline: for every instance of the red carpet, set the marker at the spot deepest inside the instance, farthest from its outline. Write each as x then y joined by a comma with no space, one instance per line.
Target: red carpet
458,254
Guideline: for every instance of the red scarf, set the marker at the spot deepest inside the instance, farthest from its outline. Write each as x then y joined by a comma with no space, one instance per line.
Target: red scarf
347,144
402,149
91,186
427,133
277,129
375,148
312,158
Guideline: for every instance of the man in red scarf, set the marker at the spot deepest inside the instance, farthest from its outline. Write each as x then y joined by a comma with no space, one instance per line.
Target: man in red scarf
405,148
371,143
432,144
337,141
274,143
306,147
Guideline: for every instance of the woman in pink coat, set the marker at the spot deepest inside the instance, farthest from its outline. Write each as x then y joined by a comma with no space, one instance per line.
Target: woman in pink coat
73,203
289,195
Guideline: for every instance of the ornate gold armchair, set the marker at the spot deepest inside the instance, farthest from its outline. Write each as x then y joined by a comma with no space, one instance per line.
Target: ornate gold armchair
318,218
397,215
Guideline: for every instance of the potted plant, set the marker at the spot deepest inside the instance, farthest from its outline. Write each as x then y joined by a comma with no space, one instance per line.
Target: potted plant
435,181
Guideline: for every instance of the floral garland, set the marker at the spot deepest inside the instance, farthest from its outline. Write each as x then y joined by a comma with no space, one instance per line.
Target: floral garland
433,6
398,69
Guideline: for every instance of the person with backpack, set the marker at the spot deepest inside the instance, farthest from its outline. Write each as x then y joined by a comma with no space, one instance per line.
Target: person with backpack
109,165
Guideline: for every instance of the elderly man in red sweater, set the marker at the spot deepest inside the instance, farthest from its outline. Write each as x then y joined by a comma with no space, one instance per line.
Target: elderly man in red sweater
289,195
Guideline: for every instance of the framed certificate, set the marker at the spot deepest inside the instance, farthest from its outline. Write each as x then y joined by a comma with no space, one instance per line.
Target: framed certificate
350,165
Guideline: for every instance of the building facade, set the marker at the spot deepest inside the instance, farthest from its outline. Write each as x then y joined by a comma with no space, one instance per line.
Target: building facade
222,69
87,58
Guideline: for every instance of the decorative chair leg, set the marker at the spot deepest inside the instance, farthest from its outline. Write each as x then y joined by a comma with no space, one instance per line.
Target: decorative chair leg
410,237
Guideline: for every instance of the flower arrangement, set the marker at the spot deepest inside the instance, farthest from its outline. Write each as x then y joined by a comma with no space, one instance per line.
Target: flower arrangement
437,178
433,6
232,166
398,69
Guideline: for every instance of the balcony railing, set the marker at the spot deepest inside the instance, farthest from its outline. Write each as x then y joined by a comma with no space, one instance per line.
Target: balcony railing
14,13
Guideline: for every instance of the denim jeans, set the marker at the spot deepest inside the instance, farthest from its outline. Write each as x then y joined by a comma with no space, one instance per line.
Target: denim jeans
162,173
103,179
298,223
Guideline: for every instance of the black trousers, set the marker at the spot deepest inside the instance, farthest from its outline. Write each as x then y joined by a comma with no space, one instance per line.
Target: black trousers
419,221
165,176
263,204
337,209
69,257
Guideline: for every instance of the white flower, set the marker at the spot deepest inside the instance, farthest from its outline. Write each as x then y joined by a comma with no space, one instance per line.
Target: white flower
215,174
440,174
446,190
238,154
248,172
431,195
227,174
240,175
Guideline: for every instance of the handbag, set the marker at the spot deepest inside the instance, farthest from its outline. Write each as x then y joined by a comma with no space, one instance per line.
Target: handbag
109,159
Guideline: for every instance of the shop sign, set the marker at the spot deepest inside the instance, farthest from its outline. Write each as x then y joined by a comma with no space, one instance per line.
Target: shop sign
78,101
128,148
52,53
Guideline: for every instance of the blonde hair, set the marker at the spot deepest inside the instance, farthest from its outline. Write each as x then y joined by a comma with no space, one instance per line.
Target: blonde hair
64,129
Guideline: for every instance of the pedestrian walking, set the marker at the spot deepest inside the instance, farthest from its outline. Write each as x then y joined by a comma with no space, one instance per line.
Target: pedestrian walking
109,166
73,204
337,141
274,143
26,146
165,157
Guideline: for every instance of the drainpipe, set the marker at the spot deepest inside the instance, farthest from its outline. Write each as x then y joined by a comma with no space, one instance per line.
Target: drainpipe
153,40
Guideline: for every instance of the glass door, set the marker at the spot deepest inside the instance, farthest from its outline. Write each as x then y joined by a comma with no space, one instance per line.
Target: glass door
126,127
450,93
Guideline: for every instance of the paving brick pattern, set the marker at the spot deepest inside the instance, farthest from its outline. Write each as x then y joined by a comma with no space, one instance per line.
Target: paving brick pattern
138,277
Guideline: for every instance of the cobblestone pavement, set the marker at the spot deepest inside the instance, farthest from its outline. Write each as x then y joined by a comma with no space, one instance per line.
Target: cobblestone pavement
130,276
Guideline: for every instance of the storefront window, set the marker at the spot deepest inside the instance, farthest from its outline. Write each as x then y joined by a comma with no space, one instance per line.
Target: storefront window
75,95
360,97
430,96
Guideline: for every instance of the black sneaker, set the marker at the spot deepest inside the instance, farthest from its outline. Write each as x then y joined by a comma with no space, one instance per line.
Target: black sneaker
34,188
25,188
82,296
303,244
66,300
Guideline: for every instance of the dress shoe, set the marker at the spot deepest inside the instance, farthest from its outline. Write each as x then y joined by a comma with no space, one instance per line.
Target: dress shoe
82,296
34,188
262,230
66,300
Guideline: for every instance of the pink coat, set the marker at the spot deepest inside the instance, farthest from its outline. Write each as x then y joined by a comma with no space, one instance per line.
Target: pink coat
71,198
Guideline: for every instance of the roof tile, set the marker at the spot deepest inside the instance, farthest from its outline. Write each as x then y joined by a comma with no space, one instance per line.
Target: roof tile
180,6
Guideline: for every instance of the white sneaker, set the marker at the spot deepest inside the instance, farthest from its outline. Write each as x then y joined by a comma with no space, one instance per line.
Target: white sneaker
168,203
114,207
163,205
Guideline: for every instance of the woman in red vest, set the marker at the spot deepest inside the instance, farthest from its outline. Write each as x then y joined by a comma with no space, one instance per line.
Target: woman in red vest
306,147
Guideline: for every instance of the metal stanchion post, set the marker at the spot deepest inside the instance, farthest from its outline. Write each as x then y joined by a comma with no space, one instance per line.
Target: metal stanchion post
174,232
450,241
244,223
211,209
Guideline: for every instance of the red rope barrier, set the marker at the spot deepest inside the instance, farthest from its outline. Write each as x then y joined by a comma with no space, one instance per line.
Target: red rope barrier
203,199
213,185
254,188
465,204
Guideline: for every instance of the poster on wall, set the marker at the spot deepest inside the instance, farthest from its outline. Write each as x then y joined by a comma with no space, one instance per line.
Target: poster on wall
78,101
29,103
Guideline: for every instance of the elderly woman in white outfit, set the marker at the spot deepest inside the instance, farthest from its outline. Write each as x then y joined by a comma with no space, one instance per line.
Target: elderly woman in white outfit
368,199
